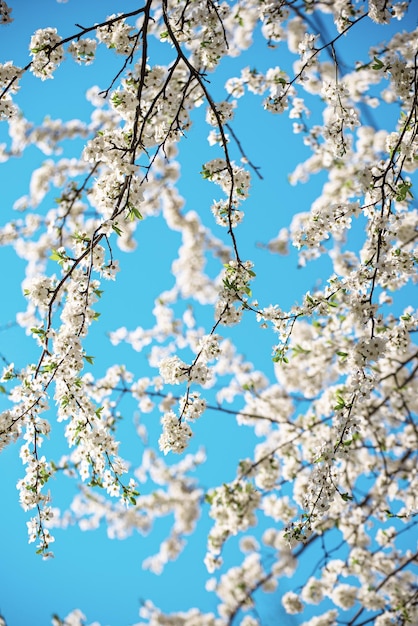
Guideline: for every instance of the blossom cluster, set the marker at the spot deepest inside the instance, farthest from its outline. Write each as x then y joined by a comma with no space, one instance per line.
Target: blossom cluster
46,51
5,13
332,417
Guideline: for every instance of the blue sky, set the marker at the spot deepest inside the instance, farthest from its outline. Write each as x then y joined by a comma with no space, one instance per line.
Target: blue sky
101,577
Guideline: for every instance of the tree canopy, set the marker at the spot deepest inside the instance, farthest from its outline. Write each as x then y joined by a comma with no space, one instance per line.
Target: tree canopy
315,388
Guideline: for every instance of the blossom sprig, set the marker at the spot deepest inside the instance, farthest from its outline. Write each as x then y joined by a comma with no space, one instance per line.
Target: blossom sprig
31,487
176,434
83,50
46,52
236,186
237,586
176,431
233,507
235,292
183,24
96,453
9,75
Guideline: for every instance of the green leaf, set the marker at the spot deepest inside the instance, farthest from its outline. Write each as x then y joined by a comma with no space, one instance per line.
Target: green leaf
117,100
133,213
377,64
65,401
9,376
205,173
297,349
80,237
38,331
403,191
280,357
89,359
117,230
60,257
51,367
340,403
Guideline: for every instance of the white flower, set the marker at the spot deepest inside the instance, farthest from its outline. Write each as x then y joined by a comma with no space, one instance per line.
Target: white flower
344,596
175,436
173,371
192,406
46,51
292,603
